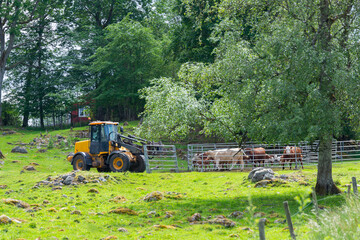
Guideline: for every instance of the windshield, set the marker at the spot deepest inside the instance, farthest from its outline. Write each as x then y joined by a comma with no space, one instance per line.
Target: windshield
110,131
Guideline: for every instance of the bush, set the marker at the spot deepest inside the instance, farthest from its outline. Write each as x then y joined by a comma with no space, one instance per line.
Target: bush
10,115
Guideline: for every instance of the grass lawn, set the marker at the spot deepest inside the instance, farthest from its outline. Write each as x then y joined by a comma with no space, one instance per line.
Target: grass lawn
210,194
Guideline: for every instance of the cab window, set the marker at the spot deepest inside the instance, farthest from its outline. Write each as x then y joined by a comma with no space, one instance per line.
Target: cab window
95,133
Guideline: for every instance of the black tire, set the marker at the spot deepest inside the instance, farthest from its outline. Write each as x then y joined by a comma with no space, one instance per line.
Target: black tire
103,169
139,165
119,162
79,163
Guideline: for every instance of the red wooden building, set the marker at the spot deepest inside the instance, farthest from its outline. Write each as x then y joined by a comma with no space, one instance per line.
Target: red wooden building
80,114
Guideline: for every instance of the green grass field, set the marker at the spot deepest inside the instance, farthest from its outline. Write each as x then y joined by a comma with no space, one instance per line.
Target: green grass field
54,214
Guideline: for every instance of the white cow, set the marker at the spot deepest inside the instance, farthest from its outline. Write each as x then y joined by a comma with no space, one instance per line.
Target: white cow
223,157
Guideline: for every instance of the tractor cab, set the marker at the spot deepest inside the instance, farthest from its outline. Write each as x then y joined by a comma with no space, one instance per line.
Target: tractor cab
101,133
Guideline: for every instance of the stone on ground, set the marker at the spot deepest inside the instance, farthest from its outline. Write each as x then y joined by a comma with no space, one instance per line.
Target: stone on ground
19,149
154,196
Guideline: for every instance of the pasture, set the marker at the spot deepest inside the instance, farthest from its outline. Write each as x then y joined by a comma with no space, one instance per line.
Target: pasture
115,208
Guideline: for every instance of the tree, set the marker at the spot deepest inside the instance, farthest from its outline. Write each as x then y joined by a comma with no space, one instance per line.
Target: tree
191,36
131,57
15,16
89,21
294,79
34,63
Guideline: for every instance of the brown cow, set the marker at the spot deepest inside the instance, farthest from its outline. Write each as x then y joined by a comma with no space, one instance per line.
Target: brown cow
291,154
256,156
201,161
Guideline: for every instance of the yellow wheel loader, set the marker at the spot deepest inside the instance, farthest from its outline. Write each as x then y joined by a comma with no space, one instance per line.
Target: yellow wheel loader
107,150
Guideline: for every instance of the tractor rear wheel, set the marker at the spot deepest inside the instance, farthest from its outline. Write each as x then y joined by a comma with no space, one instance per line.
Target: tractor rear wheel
119,162
79,163
139,165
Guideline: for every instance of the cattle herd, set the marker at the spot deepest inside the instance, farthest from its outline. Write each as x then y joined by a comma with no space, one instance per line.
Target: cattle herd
229,158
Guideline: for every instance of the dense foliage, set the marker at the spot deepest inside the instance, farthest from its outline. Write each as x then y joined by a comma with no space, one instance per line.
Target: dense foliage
256,69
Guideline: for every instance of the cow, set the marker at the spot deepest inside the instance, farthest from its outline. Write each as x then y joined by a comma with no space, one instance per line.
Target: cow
256,156
291,154
201,161
270,160
222,157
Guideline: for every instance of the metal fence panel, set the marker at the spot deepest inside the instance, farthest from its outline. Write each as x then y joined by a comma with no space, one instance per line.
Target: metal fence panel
161,158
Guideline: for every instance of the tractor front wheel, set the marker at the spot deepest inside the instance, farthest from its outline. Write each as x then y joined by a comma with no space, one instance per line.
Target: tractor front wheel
139,165
119,162
79,163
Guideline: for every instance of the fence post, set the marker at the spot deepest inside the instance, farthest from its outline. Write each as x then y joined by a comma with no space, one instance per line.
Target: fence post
348,189
296,161
288,219
176,161
188,158
148,170
354,186
315,200
262,228
202,159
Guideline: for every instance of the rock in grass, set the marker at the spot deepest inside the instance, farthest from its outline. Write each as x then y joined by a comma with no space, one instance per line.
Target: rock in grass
237,214
259,214
93,190
122,230
168,215
164,226
118,199
17,203
68,180
266,173
222,220
5,219
109,237
3,186
154,196
81,178
124,211
77,212
251,174
195,217
2,162
19,149
52,209
102,179
29,168
152,214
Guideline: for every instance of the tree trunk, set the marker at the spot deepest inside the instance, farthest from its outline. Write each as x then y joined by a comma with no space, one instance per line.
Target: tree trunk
2,73
41,112
325,184
26,95
53,118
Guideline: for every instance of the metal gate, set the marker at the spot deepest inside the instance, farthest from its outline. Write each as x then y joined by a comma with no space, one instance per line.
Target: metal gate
161,158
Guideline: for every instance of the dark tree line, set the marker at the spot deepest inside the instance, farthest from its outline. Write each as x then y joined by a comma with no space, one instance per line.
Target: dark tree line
59,53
